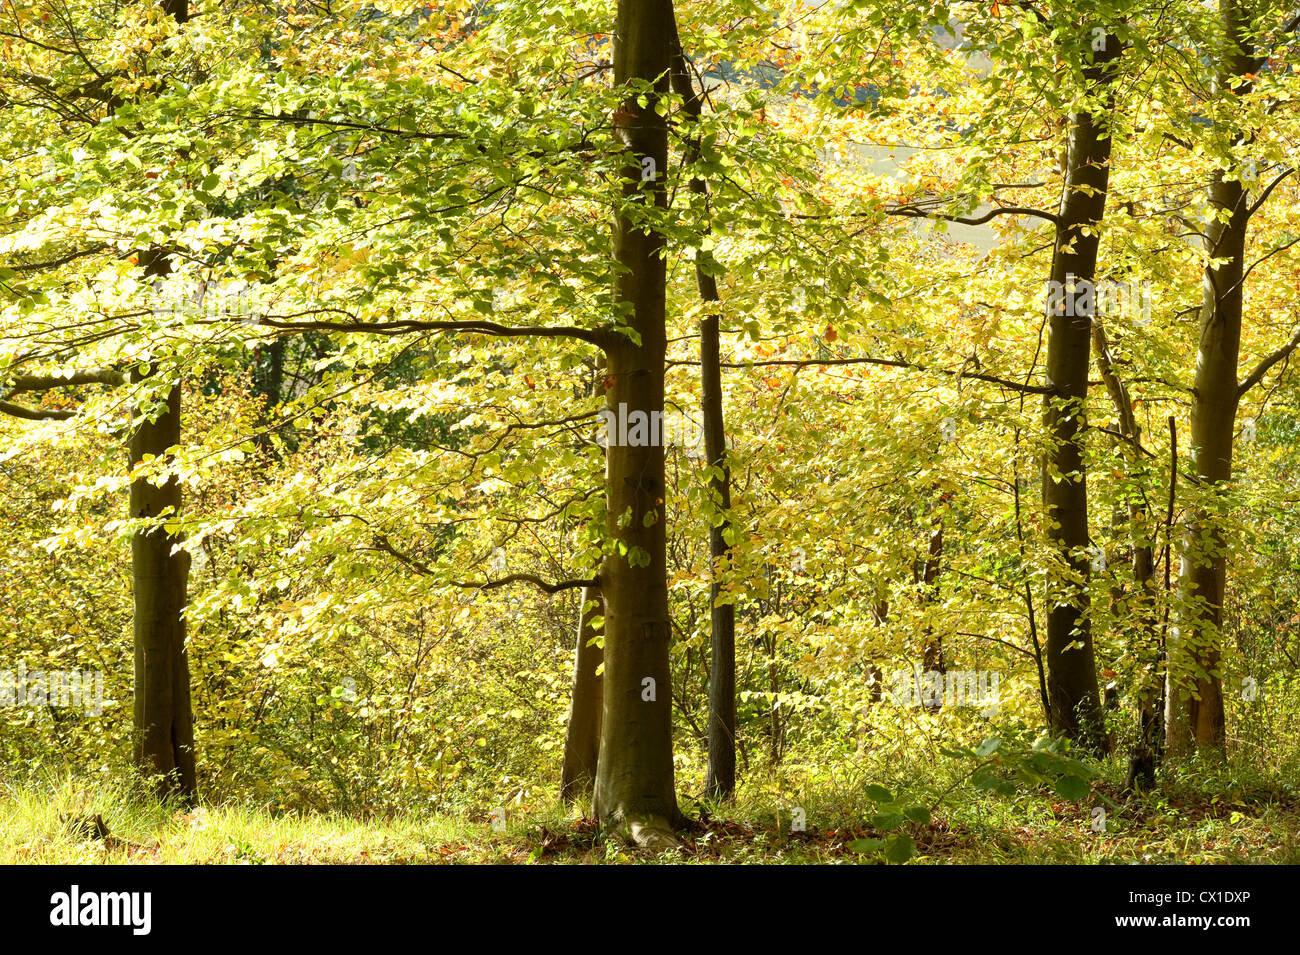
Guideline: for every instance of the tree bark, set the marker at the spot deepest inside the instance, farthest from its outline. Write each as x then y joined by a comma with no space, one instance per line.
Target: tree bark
932,660
582,741
720,778
1194,715
635,790
270,383
1072,671
164,724
1145,632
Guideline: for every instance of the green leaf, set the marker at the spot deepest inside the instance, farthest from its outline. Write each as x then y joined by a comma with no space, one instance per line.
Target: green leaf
1072,787
917,814
900,848
866,845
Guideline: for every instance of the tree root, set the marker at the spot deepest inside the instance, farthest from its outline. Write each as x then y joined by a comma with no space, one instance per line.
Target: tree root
653,833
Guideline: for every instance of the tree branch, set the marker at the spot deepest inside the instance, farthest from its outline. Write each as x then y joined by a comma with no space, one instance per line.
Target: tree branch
28,413
527,579
913,211
888,363
1268,362
62,260
384,544
1254,207
89,376
405,326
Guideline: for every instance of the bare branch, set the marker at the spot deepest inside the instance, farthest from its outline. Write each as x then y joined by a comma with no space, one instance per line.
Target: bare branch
28,413
914,211
1268,362
406,326
1254,206
62,260
384,544
89,376
527,579
888,363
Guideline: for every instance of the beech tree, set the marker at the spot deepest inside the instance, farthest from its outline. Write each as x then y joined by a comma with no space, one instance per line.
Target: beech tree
863,246
1071,664
586,704
1195,712
163,723
635,782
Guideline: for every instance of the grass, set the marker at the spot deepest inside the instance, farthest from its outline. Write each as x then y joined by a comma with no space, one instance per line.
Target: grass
1209,816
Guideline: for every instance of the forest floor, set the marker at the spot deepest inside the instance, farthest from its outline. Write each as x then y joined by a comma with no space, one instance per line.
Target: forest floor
1224,820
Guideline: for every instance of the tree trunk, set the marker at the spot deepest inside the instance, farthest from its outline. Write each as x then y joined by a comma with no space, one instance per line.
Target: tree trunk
1072,671
932,653
1146,751
163,719
720,778
635,791
774,707
1194,704
164,726
582,741
1145,632
270,383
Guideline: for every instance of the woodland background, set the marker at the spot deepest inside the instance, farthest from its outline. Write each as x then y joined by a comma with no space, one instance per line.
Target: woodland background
307,312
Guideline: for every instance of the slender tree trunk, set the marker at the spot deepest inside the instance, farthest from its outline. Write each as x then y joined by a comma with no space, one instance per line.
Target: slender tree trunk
1144,634
879,617
163,720
164,724
270,382
720,778
635,789
1028,594
774,709
932,660
582,741
1194,703
1071,667
1146,637
1194,713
